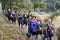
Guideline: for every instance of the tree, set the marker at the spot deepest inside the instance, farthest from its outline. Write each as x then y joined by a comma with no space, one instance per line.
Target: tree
38,3
42,5
35,3
15,4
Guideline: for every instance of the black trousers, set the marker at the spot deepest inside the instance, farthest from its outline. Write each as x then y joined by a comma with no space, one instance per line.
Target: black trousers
25,22
49,38
13,19
19,21
49,35
9,18
35,33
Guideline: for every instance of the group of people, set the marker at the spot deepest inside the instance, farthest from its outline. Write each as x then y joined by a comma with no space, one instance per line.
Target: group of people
22,17
36,28
34,23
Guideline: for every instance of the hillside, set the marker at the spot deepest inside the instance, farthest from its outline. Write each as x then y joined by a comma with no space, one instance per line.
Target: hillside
9,31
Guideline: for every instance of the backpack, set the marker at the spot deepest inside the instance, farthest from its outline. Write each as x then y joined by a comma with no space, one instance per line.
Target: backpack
25,16
12,15
32,25
28,34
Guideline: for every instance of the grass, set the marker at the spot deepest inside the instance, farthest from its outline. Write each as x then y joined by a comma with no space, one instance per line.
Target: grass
52,16
9,31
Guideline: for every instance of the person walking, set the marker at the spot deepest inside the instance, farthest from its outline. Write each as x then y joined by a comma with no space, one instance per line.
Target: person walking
50,29
39,27
13,16
25,18
9,14
20,19
32,26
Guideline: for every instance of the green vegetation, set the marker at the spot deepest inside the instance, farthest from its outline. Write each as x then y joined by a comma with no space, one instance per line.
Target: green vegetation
15,4
21,4
9,31
38,3
53,15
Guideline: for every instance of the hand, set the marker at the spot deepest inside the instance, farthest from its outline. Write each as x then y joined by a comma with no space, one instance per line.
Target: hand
53,31
40,28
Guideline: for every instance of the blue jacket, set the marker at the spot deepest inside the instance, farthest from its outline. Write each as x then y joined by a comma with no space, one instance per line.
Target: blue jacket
32,25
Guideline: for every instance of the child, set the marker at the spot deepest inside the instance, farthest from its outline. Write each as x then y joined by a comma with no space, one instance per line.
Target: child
25,18
9,14
13,16
32,26
20,19
50,30
39,26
